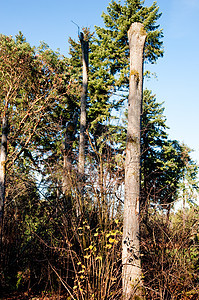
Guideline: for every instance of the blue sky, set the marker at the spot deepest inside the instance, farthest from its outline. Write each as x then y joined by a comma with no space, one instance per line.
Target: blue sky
177,72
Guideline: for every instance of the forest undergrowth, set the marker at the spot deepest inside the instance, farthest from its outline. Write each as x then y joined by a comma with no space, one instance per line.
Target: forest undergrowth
56,255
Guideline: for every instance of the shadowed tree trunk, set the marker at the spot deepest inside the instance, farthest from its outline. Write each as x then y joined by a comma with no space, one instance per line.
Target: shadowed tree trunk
132,273
3,158
69,137
66,183
183,205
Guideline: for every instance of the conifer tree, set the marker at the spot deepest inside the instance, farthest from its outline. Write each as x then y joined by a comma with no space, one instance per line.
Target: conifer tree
188,188
99,85
113,40
114,56
98,106
162,163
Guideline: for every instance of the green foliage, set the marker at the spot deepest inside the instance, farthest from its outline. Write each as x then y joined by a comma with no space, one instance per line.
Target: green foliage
113,41
189,185
98,104
162,159
163,162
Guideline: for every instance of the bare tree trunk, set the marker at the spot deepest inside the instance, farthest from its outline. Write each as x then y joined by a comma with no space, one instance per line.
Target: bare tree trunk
168,214
69,137
132,273
81,165
3,158
66,182
184,206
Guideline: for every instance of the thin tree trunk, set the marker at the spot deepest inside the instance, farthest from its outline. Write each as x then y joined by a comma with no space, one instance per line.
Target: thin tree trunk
168,214
132,273
81,164
184,205
69,137
66,182
3,158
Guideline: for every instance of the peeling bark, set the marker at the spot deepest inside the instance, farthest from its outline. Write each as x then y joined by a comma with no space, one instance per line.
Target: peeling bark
132,273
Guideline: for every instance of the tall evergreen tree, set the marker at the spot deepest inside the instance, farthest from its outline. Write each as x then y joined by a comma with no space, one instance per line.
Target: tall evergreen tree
113,40
162,163
114,56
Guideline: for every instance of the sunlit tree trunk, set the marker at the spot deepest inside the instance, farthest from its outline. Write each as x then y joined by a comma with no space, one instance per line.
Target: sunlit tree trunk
81,164
132,273
3,158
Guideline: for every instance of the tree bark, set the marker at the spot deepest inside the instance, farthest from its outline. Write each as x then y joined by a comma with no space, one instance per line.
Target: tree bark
69,137
183,206
66,182
3,158
81,163
132,273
